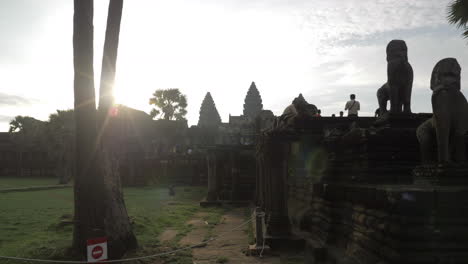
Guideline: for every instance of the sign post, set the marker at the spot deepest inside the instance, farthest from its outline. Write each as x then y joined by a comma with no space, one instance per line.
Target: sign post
97,249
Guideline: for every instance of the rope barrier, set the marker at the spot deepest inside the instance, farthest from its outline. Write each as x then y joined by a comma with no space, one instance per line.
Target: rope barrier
130,259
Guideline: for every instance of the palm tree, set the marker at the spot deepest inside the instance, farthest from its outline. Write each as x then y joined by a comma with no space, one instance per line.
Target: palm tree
99,205
170,104
458,15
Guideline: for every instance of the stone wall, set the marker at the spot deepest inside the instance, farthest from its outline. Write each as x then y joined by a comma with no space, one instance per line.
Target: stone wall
171,169
351,194
30,161
289,162
390,224
231,174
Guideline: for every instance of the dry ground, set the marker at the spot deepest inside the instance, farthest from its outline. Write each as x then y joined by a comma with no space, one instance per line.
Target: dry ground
229,246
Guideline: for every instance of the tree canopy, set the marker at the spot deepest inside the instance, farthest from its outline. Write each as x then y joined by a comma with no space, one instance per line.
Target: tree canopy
61,133
61,143
25,124
28,131
170,104
458,15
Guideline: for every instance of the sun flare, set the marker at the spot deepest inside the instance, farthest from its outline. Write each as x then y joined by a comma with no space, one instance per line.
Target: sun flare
126,93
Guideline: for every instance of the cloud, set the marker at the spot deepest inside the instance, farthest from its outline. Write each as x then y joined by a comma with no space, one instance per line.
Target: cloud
361,69
324,49
334,22
13,100
21,21
4,118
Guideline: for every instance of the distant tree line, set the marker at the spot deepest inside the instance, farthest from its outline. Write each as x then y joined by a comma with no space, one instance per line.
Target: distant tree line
56,137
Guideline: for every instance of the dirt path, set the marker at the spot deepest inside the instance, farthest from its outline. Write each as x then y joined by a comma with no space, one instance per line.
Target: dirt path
168,235
198,234
229,247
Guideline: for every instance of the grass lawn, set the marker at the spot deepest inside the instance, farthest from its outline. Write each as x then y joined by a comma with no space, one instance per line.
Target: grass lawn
15,182
30,221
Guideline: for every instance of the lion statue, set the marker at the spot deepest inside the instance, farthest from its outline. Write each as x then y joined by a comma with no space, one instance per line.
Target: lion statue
399,83
449,123
298,110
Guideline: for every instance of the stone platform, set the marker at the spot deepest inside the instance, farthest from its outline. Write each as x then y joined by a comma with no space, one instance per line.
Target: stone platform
358,194
392,224
441,175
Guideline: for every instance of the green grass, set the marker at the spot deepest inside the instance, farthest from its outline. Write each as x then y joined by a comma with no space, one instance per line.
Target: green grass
213,217
222,260
250,232
14,182
30,221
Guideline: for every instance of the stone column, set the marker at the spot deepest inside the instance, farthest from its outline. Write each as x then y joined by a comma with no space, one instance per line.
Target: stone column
278,225
234,166
212,178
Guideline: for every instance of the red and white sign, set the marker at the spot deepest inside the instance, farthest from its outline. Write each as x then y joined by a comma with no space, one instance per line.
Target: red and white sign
97,249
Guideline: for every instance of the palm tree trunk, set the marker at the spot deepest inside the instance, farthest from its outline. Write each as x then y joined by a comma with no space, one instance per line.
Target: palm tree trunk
89,213
109,58
99,205
118,225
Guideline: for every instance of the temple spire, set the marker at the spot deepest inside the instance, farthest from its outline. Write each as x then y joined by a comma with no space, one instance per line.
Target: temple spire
253,102
209,116
301,97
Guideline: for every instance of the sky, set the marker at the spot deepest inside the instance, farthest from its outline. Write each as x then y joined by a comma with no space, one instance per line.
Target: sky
325,50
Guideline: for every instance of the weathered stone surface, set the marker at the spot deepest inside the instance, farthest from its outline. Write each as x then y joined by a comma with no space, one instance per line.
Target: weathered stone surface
409,226
295,114
382,155
441,175
363,207
231,173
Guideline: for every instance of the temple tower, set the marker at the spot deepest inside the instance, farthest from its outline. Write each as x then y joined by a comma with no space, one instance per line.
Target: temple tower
209,116
253,102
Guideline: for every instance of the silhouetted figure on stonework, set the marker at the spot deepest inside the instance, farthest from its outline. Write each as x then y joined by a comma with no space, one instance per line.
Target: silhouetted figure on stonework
352,106
341,113
377,113
319,113
333,115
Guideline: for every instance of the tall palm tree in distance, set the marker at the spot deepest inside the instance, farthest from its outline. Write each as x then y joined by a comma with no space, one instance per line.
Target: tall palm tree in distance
458,15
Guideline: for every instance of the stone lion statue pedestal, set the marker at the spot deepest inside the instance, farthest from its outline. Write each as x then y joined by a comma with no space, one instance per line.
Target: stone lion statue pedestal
400,120
441,175
381,154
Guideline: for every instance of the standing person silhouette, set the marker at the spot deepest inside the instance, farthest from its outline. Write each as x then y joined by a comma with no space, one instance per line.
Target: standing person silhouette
352,106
